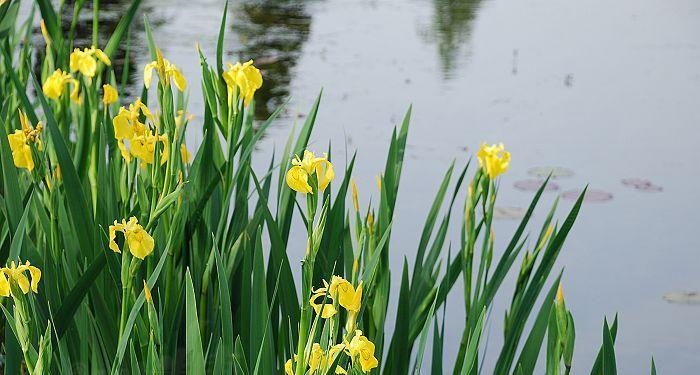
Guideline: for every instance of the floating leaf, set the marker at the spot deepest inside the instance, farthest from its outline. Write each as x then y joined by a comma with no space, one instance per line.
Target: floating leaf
642,184
685,298
508,213
592,195
556,172
534,185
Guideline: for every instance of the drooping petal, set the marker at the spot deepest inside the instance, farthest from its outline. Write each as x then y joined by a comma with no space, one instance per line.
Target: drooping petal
22,281
148,74
326,310
324,174
110,94
179,79
35,273
87,66
22,157
17,140
122,149
297,179
113,235
122,125
141,243
4,285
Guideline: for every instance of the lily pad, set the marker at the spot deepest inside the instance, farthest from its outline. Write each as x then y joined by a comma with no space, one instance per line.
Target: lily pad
592,195
508,213
534,185
685,298
557,172
642,184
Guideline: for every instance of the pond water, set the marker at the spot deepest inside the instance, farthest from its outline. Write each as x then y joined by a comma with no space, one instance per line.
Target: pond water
607,90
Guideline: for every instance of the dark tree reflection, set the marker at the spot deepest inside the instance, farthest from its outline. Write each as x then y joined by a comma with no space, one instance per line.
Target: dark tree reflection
450,29
272,32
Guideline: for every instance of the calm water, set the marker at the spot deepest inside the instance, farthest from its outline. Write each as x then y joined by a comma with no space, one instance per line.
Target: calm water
606,89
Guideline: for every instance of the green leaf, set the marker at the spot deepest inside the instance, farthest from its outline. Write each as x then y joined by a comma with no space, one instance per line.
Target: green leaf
471,355
193,339
220,41
609,365
18,238
531,349
225,308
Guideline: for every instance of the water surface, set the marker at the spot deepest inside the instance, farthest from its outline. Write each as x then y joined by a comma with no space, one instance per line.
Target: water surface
607,89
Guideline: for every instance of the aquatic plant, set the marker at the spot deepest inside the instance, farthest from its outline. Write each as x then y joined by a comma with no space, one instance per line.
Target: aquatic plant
141,257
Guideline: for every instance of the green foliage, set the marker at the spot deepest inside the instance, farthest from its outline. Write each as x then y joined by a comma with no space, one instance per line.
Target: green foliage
218,294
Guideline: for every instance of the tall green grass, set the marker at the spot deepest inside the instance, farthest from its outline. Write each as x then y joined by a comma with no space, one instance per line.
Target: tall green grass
218,292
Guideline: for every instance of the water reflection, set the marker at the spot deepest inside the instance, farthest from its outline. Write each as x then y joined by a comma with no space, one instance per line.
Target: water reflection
273,33
111,12
450,29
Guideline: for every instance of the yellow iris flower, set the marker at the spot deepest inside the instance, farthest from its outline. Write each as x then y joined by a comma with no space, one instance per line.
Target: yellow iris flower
316,358
298,175
55,85
339,290
245,77
144,147
85,61
362,350
348,297
165,70
140,243
494,160
142,140
110,94
20,142
16,272
289,366
328,308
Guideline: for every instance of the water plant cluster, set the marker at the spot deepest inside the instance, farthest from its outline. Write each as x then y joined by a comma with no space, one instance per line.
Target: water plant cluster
124,252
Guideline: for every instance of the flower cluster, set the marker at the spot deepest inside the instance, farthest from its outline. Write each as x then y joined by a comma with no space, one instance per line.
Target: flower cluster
85,61
139,241
142,140
302,169
359,349
20,142
339,290
244,77
16,272
494,160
